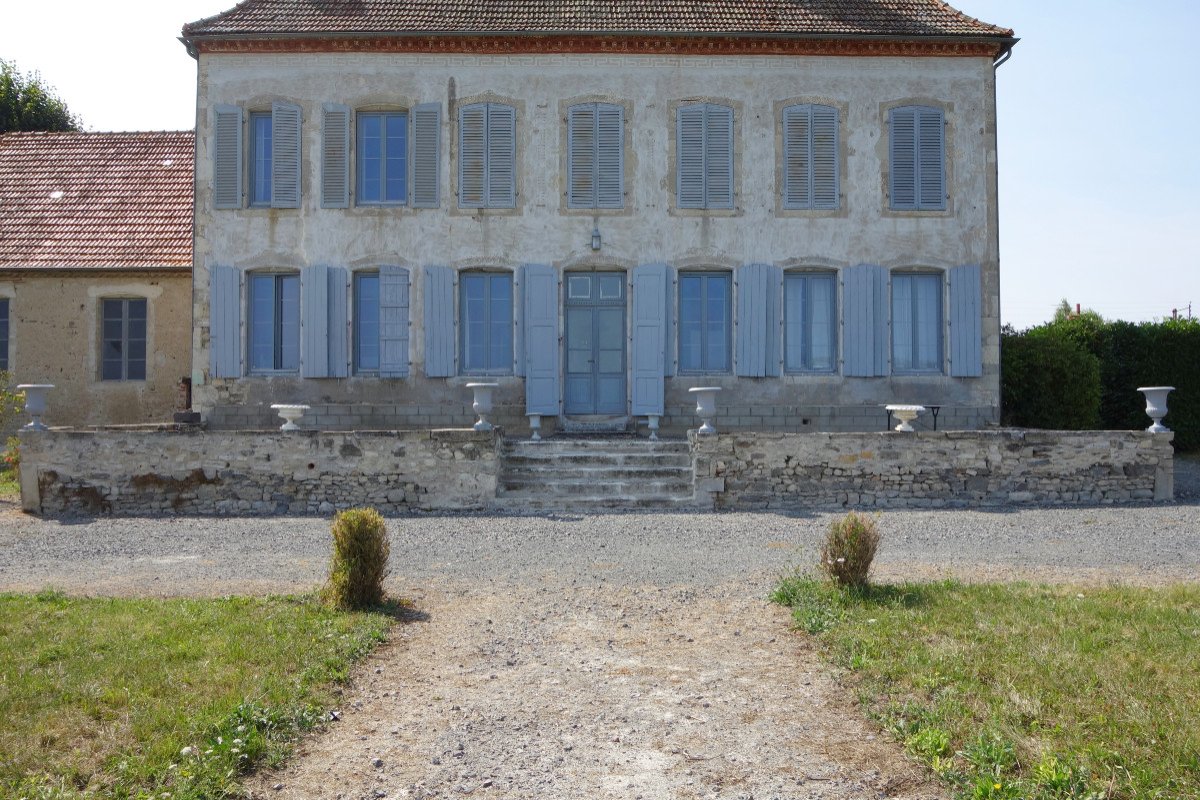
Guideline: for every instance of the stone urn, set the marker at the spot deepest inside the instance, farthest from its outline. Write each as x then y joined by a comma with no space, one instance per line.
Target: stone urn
290,414
35,404
535,426
1156,406
483,404
906,415
706,407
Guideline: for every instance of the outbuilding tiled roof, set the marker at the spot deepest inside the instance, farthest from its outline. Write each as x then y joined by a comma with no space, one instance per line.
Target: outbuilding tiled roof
96,200
909,18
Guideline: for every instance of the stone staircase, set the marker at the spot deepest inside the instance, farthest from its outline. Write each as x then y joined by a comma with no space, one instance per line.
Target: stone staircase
578,473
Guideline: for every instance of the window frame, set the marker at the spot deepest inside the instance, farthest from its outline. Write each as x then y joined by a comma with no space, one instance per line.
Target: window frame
277,322
5,333
464,368
938,325
124,340
804,277
406,154
356,333
705,368
260,160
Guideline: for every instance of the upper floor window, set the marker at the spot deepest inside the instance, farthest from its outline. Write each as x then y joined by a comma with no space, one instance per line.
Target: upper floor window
260,159
266,158
704,156
366,322
487,156
917,152
810,157
382,155
485,309
123,346
810,322
704,322
4,333
595,156
916,322
274,323
396,156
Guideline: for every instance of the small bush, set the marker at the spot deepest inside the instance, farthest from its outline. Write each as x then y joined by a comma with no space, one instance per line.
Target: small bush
1050,381
849,549
360,557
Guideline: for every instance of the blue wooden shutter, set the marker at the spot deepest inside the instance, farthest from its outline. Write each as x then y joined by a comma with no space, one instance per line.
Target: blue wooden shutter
227,157
472,156
826,189
393,321
335,156
758,320
689,156
339,323
581,156
650,287
314,322
424,163
519,322
501,156
285,155
610,156
225,322
966,322
718,157
902,158
542,394
439,322
797,157
864,320
931,161
669,361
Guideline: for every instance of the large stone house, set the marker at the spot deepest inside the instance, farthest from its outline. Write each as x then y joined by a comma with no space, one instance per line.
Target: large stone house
597,206
95,271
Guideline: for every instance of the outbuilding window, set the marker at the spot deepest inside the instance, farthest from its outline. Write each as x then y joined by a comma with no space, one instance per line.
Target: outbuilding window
123,340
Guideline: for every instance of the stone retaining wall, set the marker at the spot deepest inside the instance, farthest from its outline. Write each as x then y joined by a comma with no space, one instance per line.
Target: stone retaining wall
932,469
144,471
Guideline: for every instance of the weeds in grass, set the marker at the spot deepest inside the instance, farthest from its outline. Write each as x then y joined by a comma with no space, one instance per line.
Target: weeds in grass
359,562
849,549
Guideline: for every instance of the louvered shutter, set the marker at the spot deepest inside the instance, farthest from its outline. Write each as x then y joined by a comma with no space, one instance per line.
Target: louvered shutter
424,161
285,155
966,322
314,322
542,355
581,156
225,322
797,157
438,290
689,149
864,320
335,156
669,361
826,187
501,156
649,338
758,320
902,157
227,157
718,157
519,322
472,156
394,302
610,156
339,322
931,167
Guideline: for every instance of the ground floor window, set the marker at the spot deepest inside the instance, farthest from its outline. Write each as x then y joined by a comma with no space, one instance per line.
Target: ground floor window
366,322
916,322
704,322
810,322
274,322
3,333
123,349
485,323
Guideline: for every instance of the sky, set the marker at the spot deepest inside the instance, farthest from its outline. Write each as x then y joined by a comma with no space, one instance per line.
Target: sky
1099,120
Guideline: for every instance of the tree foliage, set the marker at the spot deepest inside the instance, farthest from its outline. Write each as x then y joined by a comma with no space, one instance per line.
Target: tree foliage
28,104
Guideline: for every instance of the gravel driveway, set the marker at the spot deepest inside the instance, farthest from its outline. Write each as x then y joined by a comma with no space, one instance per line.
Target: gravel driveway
618,655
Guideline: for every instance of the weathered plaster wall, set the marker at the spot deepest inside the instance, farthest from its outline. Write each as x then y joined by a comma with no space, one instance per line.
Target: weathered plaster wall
650,229
932,469
54,337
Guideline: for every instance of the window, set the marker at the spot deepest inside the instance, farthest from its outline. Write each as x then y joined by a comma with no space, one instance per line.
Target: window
704,322
916,322
366,322
260,159
704,146
810,322
595,156
486,325
123,347
383,159
487,156
4,333
916,149
810,157
274,323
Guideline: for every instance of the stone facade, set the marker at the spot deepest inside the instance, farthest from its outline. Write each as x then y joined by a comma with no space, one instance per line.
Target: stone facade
932,469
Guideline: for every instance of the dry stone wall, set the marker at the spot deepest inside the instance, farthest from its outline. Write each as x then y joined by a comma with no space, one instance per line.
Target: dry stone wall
932,469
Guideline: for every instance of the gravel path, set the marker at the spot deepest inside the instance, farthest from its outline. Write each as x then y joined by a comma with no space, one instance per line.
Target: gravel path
619,655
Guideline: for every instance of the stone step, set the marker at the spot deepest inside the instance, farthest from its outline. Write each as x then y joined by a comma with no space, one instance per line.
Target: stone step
613,444
579,503
566,487
556,472
599,460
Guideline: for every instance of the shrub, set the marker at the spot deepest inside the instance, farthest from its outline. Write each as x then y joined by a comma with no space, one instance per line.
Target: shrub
360,557
1048,380
849,549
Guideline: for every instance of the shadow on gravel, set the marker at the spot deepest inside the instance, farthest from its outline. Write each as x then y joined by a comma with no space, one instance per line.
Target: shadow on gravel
403,612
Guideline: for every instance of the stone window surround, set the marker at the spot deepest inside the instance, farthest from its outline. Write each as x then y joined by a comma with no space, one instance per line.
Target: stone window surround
739,111
630,156
137,290
521,142
843,109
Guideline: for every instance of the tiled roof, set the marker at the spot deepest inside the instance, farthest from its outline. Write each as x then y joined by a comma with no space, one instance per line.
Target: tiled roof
917,18
96,200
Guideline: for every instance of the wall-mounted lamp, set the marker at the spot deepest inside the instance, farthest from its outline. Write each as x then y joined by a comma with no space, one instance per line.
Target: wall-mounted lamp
595,238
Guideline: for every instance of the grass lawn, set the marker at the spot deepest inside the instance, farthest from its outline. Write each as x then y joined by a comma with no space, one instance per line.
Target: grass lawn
10,489
137,698
1018,691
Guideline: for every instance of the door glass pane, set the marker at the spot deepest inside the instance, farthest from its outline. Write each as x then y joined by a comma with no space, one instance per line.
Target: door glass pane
579,287
579,340
611,350
610,287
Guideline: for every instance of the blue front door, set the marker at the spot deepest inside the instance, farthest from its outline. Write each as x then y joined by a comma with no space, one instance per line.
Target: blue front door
595,343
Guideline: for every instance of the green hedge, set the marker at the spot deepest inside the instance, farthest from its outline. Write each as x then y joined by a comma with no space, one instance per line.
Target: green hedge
1048,382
